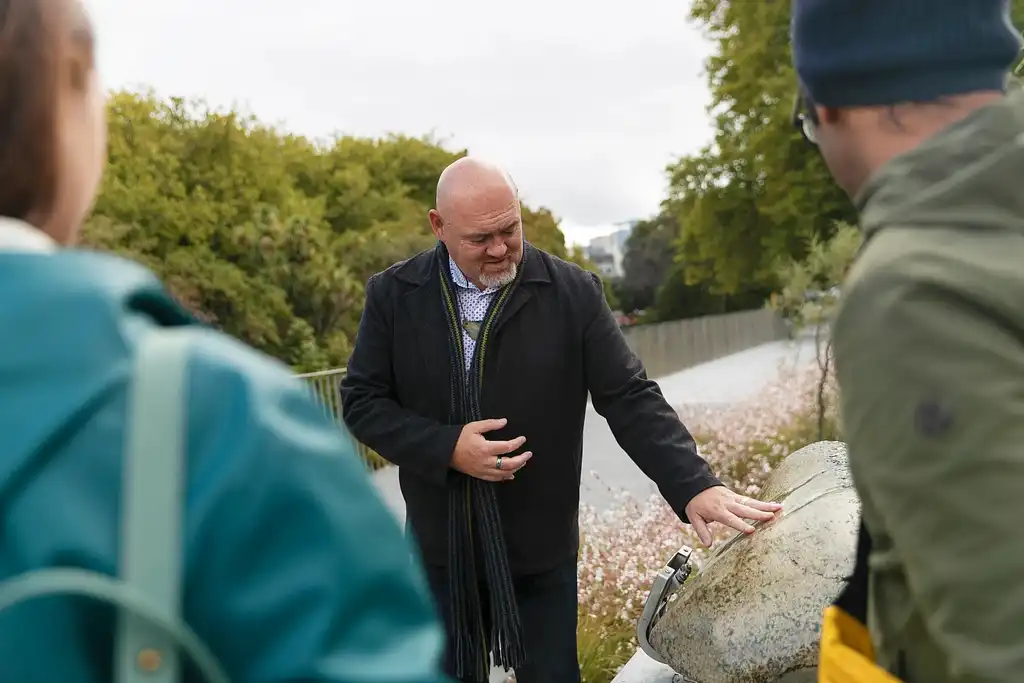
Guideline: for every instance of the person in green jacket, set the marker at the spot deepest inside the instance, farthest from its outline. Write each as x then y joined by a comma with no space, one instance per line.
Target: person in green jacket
294,570
907,101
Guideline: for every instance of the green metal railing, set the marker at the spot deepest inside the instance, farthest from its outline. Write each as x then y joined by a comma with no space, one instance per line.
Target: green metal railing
326,387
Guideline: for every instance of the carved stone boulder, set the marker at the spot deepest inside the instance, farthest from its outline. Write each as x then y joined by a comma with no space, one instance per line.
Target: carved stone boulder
752,613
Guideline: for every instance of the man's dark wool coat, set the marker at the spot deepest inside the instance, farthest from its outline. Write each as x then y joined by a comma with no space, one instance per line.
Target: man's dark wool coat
556,340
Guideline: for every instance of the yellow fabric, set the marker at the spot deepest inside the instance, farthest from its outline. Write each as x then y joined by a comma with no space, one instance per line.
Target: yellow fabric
846,654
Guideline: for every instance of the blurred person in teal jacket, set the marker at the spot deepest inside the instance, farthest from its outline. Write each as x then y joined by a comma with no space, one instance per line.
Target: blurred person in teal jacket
293,570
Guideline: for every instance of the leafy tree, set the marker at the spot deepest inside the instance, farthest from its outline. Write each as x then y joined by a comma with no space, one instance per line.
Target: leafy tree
647,259
758,192
809,296
810,287
269,236
541,229
757,208
656,280
1017,15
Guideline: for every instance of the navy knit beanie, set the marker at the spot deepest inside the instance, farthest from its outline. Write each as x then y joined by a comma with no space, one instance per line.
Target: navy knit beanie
851,53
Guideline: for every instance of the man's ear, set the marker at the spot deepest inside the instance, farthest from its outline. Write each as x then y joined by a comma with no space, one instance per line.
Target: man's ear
436,224
829,115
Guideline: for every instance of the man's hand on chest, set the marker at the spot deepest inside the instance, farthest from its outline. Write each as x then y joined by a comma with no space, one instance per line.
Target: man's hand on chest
478,457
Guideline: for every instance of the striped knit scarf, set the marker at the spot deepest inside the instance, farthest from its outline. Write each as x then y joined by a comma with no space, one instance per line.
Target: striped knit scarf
473,505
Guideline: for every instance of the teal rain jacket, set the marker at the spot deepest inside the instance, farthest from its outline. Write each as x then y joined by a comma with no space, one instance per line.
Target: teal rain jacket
294,569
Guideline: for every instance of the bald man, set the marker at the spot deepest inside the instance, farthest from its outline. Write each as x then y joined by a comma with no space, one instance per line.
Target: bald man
470,372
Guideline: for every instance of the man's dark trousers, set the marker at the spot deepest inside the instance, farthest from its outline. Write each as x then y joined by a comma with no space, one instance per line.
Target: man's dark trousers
548,606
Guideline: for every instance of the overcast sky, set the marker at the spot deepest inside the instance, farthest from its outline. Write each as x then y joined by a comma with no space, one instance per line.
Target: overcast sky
584,103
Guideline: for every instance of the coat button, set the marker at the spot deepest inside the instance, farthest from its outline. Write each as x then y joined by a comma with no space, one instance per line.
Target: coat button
148,660
932,418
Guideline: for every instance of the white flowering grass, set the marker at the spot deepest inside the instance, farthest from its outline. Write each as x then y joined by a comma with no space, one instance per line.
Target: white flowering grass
621,548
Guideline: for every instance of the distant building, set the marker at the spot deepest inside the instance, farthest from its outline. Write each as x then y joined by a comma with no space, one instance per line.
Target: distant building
606,252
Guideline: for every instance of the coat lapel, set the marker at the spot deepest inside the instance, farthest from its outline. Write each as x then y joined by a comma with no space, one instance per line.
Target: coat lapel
423,307
534,273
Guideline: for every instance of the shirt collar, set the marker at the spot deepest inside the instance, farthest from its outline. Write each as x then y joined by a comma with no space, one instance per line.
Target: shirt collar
17,235
460,280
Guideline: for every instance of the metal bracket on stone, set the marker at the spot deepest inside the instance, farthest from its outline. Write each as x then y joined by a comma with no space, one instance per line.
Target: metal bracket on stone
666,583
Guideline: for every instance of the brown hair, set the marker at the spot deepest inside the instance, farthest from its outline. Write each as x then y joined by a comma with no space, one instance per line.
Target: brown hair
44,44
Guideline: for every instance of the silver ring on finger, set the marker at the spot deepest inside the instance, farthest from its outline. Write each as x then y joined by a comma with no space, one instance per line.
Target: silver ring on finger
497,463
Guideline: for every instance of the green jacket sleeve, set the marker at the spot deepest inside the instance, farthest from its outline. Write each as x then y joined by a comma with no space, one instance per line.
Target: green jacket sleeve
296,569
931,374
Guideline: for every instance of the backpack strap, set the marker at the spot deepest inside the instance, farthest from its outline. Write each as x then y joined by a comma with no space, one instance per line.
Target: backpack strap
153,507
50,582
147,594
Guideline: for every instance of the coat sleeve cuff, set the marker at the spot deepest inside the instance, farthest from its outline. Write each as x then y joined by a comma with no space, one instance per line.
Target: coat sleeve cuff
440,468
684,493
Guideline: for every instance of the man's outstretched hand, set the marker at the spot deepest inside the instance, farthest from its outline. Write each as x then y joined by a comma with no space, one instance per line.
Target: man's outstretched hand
719,504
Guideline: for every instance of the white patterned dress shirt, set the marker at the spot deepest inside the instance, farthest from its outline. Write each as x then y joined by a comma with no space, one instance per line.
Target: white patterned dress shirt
473,304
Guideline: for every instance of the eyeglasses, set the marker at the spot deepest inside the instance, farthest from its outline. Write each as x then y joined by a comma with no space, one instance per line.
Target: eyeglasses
804,118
